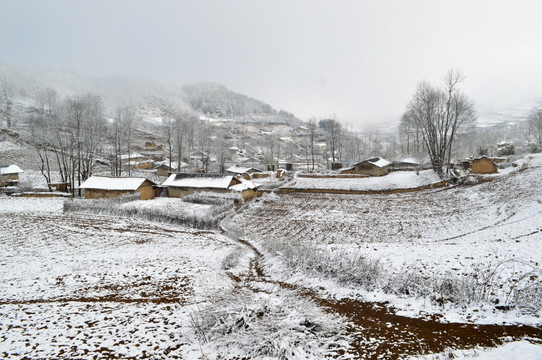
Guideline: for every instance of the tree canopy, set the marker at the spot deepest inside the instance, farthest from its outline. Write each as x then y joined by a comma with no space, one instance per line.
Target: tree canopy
440,113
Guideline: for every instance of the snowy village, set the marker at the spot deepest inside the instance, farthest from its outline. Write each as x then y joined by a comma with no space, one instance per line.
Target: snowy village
145,217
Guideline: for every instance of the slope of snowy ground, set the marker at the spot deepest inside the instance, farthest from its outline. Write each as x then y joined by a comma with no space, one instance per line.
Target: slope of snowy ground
467,253
79,285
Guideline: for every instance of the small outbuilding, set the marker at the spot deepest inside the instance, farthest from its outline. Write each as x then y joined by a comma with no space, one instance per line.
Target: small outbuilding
373,167
180,185
483,165
9,175
99,187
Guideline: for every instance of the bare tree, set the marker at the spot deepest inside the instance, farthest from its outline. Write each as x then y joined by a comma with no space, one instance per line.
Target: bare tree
220,149
85,126
535,125
353,148
41,119
121,135
6,101
204,143
312,137
269,148
410,136
181,130
167,129
333,130
440,113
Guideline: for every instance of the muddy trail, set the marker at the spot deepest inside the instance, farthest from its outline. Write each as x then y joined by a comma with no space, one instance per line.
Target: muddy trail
379,333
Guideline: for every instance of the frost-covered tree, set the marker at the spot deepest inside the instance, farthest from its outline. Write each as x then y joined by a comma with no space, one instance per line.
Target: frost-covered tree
85,127
535,125
167,131
42,118
333,130
440,114
309,139
6,101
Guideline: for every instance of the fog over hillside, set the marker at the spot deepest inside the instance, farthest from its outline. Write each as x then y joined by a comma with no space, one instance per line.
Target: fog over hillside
205,98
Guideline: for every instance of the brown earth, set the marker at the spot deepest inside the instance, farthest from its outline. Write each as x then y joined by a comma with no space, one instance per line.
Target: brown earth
379,333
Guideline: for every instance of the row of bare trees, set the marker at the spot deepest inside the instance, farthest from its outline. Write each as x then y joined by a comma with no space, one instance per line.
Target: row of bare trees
68,133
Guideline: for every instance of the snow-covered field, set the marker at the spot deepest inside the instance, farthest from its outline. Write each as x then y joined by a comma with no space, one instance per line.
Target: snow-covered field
74,284
466,253
85,285
79,285
394,180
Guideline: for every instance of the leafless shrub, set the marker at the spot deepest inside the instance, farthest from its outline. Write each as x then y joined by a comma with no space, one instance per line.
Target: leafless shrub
112,206
508,283
232,259
345,268
259,325
209,198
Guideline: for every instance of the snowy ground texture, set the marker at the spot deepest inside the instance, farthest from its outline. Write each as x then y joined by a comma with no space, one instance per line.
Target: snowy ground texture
83,285
79,285
469,253
394,180
485,236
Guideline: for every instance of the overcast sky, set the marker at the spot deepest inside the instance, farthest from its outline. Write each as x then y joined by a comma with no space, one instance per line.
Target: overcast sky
360,60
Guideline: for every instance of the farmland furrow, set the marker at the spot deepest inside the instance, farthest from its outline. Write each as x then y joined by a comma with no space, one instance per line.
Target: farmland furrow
468,226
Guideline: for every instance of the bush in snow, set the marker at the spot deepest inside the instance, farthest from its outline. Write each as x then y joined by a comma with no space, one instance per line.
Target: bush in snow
275,325
344,268
210,198
232,259
121,206
508,283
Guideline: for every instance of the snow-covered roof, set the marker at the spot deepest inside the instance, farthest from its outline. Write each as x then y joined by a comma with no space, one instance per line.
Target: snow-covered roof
199,181
131,156
173,164
408,160
379,162
244,185
10,169
237,169
114,183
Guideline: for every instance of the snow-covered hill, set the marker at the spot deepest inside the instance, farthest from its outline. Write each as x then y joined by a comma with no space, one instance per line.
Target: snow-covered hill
152,97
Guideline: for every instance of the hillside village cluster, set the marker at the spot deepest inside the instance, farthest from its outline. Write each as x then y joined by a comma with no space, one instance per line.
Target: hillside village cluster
148,171
238,179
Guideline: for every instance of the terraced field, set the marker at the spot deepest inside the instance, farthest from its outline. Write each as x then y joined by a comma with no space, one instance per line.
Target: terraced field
479,241
79,285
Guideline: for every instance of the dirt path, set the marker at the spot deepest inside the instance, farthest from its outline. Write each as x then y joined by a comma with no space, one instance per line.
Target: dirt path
379,333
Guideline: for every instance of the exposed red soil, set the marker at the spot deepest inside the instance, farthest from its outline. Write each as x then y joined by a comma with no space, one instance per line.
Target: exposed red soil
379,333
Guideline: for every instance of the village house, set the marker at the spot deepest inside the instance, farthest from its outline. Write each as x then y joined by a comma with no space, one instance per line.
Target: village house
180,185
373,167
244,171
406,163
165,170
98,187
9,175
483,165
